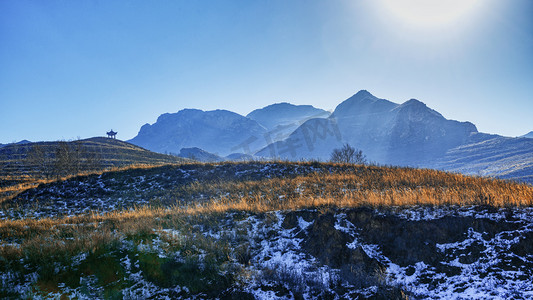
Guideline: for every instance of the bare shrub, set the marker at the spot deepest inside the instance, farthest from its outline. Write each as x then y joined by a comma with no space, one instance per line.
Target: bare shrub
39,158
349,155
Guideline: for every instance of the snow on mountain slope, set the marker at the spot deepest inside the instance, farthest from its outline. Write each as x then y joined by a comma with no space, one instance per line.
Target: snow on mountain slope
491,155
332,251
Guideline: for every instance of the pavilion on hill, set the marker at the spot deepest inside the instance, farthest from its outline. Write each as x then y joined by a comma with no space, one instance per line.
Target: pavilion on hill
112,134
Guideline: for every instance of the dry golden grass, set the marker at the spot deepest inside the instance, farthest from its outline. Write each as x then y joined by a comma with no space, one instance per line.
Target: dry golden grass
366,185
25,182
357,186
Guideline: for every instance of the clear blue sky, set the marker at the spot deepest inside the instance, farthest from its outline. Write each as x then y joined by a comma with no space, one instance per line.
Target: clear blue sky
73,69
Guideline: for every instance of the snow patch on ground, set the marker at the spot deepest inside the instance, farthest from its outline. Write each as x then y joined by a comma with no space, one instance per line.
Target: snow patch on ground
485,267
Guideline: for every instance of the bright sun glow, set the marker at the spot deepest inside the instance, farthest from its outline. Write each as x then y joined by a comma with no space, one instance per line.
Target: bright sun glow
430,13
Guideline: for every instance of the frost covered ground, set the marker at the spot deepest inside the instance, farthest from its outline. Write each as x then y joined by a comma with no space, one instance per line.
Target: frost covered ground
376,252
437,253
135,188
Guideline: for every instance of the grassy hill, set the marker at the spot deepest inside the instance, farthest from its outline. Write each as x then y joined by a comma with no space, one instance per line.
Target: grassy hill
274,230
32,163
107,152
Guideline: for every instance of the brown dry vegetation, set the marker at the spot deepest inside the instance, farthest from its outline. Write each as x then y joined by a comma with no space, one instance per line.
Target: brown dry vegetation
11,186
26,166
357,186
364,185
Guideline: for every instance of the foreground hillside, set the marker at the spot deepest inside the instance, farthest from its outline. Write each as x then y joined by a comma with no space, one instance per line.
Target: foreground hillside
270,230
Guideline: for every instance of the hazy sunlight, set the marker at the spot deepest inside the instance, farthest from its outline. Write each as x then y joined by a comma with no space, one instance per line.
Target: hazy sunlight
430,13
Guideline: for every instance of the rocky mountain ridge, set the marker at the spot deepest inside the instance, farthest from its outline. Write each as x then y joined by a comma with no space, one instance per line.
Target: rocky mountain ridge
400,134
406,134
219,131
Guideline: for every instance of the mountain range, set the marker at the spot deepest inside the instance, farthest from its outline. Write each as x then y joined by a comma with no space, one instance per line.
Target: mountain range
222,132
388,133
16,143
406,134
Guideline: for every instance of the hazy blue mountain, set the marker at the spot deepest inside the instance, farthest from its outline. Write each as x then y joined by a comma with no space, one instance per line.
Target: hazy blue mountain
281,119
219,131
198,154
283,114
240,157
528,135
491,155
22,142
409,134
388,133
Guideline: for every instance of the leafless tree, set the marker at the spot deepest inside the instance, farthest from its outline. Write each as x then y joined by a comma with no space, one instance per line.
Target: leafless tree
64,160
79,156
348,154
93,160
40,160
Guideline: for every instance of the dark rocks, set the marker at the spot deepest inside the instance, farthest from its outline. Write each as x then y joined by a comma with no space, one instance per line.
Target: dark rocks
291,218
408,242
330,247
328,244
525,246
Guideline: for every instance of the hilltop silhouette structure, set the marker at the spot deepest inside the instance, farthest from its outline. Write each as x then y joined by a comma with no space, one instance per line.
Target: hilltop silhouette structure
112,134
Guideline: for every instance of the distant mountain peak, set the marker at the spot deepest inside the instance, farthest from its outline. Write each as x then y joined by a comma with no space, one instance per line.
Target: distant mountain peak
215,131
280,104
284,105
418,108
363,93
198,154
414,102
184,112
285,114
528,135
363,102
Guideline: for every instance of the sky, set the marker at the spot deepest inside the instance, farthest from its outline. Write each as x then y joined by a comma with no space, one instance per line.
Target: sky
76,69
